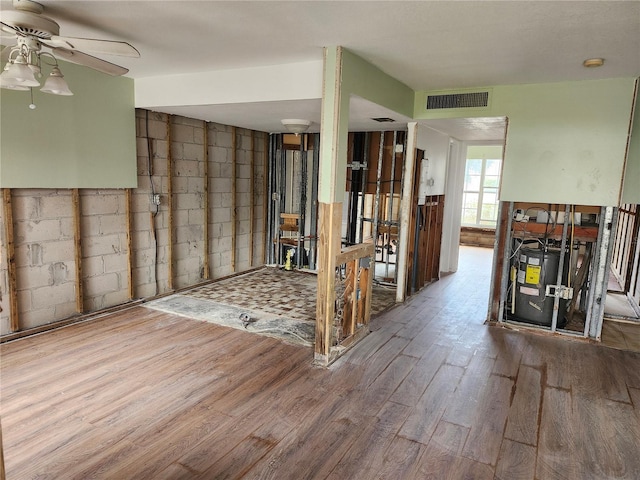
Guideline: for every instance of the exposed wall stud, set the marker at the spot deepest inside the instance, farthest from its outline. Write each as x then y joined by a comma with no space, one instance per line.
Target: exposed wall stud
251,193
131,293
14,324
234,163
170,207
266,199
77,238
207,270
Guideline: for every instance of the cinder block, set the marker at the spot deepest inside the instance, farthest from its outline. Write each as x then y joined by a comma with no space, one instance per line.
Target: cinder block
189,233
64,310
25,207
92,266
180,184
221,215
244,171
196,217
186,168
36,231
99,285
160,149
141,276
158,129
243,185
60,273
67,228
115,263
194,151
222,185
227,200
223,139
49,296
182,134
100,204
188,201
35,318
56,206
144,258
33,277
112,299
226,170
101,245
196,184
180,218
219,154
59,251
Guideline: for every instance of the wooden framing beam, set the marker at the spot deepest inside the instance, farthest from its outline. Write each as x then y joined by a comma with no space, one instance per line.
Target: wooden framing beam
330,215
170,207
77,250
131,292
234,164
14,324
251,205
265,196
207,269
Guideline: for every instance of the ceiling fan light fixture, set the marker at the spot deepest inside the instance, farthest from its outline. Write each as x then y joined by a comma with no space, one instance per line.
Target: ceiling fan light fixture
56,84
19,73
296,125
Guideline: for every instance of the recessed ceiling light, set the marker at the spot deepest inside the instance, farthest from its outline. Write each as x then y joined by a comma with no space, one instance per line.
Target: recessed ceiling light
593,62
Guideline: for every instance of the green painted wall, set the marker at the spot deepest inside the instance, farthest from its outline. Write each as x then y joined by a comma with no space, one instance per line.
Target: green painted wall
83,141
347,74
565,142
631,188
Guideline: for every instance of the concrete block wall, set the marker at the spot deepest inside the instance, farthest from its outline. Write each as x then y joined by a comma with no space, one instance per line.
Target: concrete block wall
44,225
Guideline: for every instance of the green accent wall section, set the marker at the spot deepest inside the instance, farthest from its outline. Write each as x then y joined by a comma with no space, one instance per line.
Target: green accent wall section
631,187
82,141
346,74
566,141
367,81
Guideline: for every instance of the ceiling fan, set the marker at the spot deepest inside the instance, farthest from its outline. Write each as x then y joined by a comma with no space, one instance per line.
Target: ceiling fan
37,38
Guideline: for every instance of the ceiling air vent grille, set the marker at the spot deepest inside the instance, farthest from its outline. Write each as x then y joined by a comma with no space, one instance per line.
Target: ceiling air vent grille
458,100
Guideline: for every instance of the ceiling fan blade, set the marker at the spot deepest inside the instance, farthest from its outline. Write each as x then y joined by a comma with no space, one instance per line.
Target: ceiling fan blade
100,47
6,28
98,64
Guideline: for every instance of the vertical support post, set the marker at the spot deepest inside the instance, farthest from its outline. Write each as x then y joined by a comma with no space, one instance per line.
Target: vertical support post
563,247
234,161
303,201
330,215
77,242
130,286
205,193
14,322
313,229
251,204
601,265
170,207
266,197
506,255
270,182
405,211
333,161
376,203
390,222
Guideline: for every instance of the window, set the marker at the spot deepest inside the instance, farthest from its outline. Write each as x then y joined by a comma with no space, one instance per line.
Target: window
481,184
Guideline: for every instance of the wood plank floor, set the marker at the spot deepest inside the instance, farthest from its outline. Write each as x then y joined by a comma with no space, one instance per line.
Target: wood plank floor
431,393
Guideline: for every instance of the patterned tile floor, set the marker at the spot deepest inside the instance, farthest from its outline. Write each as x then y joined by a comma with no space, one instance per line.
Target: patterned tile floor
278,292
268,301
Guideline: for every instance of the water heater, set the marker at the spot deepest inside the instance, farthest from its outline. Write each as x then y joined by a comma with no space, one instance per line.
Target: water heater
535,269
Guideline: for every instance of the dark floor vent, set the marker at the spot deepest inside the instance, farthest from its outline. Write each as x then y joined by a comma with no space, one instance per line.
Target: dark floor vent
458,100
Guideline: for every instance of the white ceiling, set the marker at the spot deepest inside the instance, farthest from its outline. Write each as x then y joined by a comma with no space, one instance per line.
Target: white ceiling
425,44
